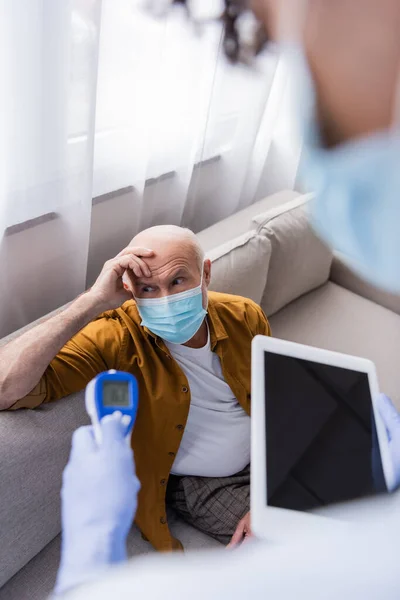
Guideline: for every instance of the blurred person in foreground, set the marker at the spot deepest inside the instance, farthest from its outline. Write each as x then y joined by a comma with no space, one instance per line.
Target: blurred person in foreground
345,56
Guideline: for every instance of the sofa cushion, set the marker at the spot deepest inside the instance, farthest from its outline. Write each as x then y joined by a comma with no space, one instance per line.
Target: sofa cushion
34,448
344,276
300,262
241,222
240,266
334,318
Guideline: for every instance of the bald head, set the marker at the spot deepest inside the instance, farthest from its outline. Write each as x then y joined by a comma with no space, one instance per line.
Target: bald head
165,237
177,264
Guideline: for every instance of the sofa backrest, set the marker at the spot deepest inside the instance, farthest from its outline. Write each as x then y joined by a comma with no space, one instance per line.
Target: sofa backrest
240,266
241,222
276,260
299,262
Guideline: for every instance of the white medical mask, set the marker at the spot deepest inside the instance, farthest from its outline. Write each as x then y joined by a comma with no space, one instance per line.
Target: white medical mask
176,318
356,184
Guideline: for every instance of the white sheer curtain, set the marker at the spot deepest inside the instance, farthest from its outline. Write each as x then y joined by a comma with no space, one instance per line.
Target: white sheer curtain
48,72
101,96
168,100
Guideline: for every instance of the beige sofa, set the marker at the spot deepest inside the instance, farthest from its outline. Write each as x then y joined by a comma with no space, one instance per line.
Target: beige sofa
267,252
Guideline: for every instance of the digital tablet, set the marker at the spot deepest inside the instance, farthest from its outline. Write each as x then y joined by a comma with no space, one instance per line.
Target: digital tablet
317,439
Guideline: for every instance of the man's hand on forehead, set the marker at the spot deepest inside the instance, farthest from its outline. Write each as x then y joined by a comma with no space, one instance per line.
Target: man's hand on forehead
110,290
139,266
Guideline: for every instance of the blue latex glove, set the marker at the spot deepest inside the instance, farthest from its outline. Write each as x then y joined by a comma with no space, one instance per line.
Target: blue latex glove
98,502
391,418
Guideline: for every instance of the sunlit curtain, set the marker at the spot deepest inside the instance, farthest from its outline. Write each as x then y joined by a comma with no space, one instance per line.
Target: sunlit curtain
48,73
102,100
169,106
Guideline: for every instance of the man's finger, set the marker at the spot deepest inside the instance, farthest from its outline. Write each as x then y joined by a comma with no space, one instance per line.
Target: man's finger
145,269
137,251
123,263
82,442
130,261
135,267
237,536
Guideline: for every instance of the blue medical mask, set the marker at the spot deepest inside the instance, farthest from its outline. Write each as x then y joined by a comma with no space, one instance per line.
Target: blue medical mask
175,318
357,187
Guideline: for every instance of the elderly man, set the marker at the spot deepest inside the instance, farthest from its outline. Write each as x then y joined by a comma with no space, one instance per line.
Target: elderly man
190,352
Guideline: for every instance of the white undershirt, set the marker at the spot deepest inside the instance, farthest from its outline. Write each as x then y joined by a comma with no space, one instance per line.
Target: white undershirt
216,440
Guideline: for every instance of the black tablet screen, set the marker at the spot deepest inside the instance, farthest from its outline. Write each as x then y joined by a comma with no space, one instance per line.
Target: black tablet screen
321,438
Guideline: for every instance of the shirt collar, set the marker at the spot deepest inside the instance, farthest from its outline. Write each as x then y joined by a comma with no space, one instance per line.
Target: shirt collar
217,330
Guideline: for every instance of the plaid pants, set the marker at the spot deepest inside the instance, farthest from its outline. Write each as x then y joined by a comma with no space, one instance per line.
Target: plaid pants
213,505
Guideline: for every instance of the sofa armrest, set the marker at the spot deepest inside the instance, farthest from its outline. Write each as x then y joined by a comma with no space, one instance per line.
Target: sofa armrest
34,448
346,278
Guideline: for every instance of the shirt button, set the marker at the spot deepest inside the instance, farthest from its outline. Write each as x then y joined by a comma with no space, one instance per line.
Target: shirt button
163,520
184,389
179,427
163,481
171,453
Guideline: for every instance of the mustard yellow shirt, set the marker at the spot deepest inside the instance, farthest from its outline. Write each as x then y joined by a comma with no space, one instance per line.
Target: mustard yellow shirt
116,340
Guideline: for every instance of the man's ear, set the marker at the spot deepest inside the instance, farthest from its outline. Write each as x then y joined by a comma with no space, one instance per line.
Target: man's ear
128,281
207,271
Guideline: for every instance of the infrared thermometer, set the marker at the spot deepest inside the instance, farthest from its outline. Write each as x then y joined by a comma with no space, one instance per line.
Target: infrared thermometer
108,393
